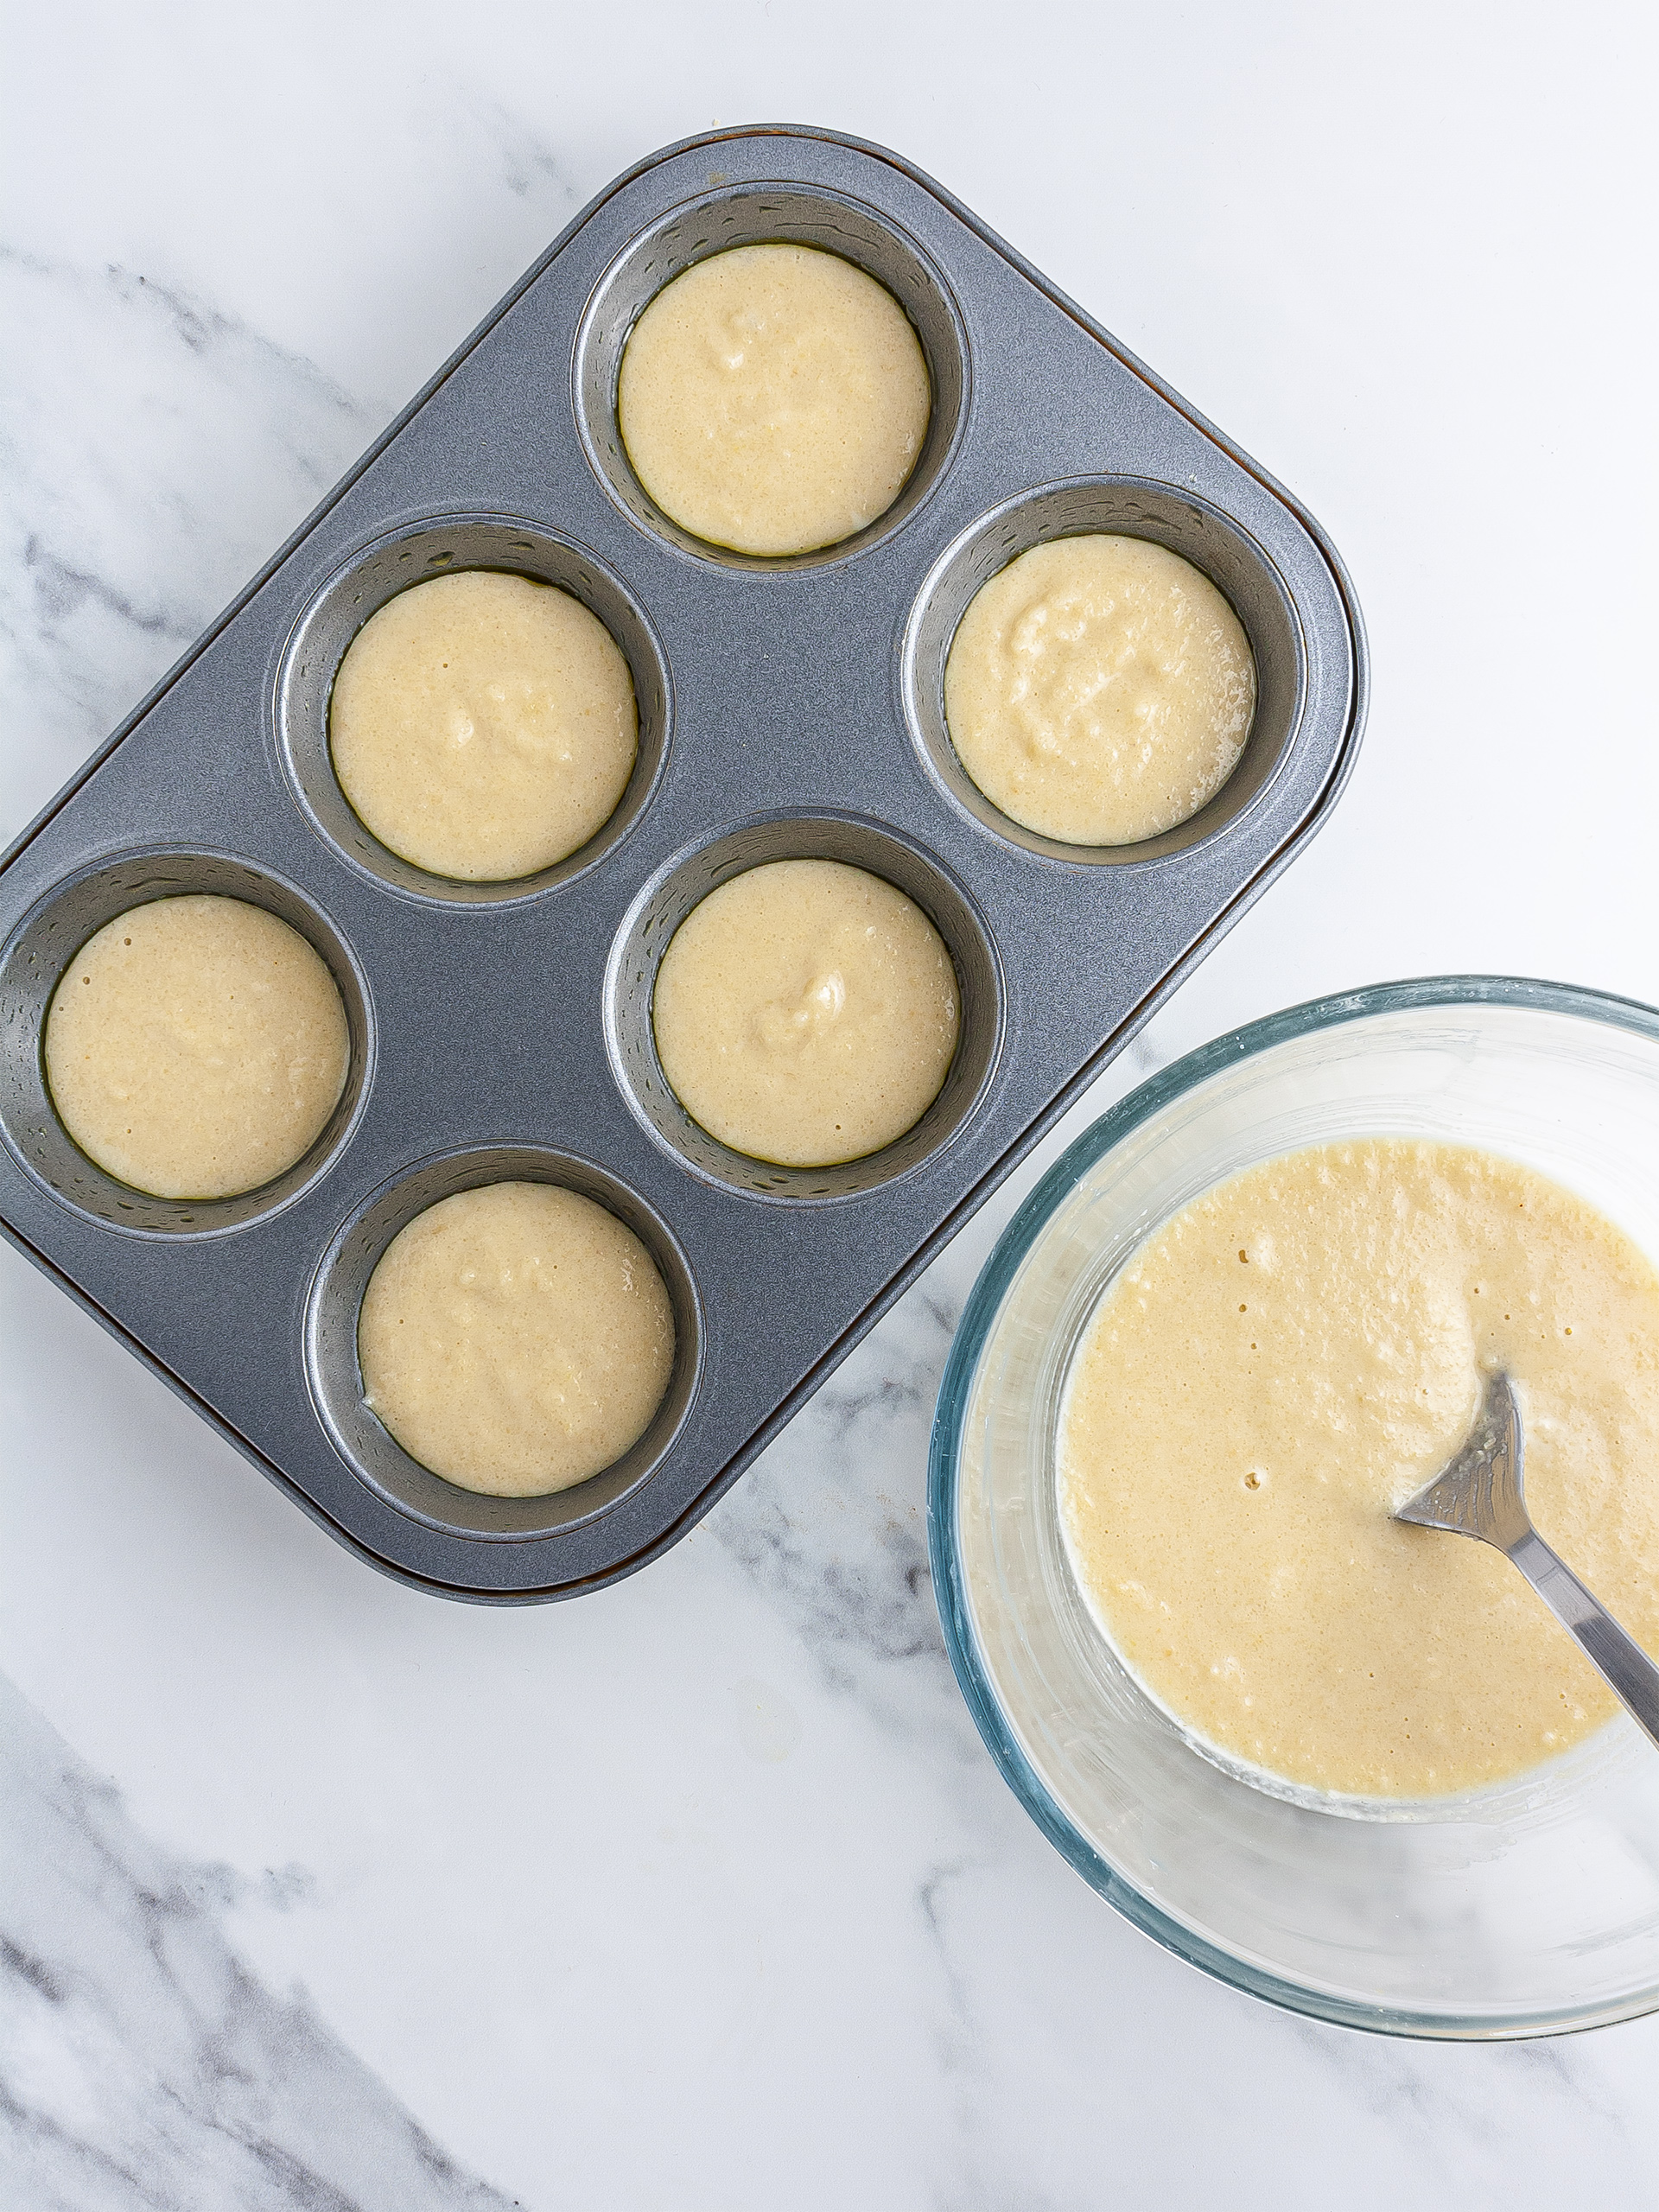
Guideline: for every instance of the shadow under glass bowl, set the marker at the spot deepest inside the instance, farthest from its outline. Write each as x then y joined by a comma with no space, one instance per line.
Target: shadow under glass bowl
1528,1908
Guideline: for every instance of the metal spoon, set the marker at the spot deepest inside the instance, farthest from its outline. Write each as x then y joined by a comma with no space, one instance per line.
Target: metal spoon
1479,1494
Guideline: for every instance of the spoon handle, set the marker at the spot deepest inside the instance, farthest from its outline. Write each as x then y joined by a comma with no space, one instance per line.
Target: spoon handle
1619,1657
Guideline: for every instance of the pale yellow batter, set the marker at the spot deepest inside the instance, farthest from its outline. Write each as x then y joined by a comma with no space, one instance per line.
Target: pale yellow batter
1099,690
773,398
483,726
806,1013
195,1047
515,1339
1288,1360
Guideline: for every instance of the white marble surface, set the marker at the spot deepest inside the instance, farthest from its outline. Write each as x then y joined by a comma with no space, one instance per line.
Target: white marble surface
702,1892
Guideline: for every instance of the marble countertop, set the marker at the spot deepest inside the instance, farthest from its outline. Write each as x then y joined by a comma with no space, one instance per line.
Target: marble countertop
702,1892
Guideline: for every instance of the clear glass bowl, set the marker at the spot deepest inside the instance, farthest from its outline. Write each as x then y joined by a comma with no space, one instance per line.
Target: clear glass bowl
1525,1909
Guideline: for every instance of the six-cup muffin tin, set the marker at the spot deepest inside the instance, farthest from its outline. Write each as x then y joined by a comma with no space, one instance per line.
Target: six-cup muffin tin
788,709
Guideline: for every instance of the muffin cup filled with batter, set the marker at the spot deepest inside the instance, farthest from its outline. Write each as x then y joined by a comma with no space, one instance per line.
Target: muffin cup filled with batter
806,1013
504,1339
200,1059
1100,689
515,1338
483,726
474,710
1106,670
783,398
803,1009
773,398
195,1047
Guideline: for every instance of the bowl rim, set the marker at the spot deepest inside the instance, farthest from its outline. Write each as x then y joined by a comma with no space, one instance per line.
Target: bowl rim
979,1316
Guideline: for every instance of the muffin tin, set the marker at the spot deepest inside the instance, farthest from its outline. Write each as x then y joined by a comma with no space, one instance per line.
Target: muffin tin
788,709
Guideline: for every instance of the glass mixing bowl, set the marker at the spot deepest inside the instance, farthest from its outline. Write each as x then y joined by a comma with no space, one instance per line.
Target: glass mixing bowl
1523,1909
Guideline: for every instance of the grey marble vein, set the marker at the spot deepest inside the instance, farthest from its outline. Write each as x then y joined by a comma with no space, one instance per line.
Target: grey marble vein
531,169
198,443
142,2064
832,1521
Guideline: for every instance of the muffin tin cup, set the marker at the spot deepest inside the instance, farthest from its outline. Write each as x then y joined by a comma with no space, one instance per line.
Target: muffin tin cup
716,222
368,580
335,1377
666,901
1127,506
35,957
788,709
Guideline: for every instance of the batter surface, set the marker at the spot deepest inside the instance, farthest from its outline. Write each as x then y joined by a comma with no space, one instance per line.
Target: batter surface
806,1013
1282,1365
1099,690
515,1339
773,398
195,1047
483,726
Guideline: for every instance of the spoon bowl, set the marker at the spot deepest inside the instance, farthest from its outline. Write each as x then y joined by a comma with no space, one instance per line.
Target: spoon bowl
1480,1493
